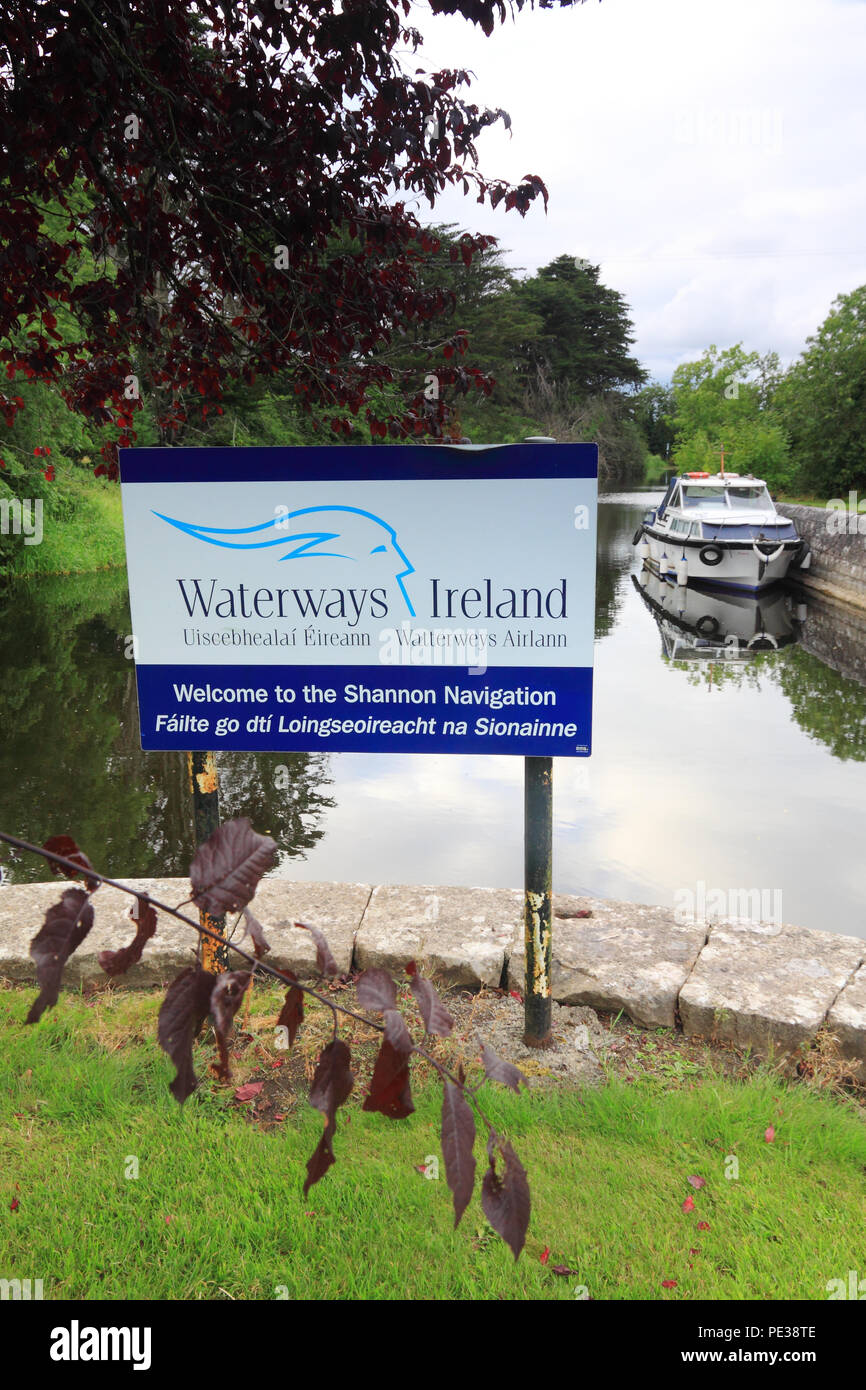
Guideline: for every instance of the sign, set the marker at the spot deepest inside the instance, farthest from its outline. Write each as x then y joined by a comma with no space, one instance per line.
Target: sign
387,599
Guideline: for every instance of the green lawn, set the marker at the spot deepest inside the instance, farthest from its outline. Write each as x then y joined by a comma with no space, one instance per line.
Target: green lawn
217,1209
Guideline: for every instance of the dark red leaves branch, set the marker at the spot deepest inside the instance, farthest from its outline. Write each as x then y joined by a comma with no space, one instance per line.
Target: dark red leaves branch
65,845
226,998
434,1013
497,1069
145,919
228,867
505,1199
332,1085
184,1010
292,1012
458,1137
65,927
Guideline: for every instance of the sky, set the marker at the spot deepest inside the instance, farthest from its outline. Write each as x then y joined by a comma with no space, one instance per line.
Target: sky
711,158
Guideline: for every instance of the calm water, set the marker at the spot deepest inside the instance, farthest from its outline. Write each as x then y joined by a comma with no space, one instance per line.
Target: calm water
738,772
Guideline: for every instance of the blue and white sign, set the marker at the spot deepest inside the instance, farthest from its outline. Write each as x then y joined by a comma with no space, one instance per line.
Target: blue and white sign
404,598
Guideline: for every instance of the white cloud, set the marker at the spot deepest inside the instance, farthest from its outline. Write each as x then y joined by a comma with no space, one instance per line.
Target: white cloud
694,151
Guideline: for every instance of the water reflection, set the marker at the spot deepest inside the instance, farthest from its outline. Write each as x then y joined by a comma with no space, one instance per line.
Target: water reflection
70,758
706,625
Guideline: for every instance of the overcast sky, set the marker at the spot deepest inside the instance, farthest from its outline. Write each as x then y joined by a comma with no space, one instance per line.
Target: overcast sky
711,157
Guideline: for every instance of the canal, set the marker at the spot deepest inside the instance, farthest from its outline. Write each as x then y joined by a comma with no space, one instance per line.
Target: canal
729,752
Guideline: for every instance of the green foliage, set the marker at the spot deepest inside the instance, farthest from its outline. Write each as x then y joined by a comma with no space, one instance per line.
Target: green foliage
823,402
653,407
585,328
726,399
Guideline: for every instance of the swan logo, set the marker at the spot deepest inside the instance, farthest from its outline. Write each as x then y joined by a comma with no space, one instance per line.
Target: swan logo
314,533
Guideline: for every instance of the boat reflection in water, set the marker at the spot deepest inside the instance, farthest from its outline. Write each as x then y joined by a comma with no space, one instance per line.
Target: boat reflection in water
703,625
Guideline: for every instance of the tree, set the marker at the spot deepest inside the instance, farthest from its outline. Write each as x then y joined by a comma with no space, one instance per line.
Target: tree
484,304
585,329
823,401
726,399
653,409
244,169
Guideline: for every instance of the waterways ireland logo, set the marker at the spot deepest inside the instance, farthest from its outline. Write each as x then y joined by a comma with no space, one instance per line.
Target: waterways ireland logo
335,533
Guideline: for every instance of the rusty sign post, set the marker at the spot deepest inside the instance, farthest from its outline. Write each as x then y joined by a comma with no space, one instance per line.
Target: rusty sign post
204,784
538,901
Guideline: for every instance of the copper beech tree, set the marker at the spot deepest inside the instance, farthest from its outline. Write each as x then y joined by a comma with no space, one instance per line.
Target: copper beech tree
224,876
223,192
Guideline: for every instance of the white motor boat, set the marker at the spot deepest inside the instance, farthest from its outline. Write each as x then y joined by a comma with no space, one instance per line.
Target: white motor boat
720,529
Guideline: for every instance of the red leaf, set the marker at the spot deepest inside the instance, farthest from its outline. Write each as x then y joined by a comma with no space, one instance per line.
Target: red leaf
254,929
390,1092
505,1200
769,1134
184,1009
377,991
688,1204
436,1017
458,1138
332,1085
14,1204
249,1091
703,1225
65,845
497,1069
669,1283
292,1012
227,868
143,915
228,992
65,927
697,1183
324,960
545,1255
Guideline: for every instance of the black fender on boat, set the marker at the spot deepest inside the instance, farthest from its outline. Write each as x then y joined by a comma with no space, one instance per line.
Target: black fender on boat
708,625
637,535
711,554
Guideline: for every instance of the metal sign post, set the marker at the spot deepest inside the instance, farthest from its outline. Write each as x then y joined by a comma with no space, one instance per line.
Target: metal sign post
538,903
204,784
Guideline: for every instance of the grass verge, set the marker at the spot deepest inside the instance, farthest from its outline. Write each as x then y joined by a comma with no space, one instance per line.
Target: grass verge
217,1210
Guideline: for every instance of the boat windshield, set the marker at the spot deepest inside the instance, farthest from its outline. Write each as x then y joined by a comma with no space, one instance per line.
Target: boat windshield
704,497
754,498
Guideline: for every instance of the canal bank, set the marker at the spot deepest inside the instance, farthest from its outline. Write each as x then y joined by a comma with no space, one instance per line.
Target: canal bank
763,985
838,568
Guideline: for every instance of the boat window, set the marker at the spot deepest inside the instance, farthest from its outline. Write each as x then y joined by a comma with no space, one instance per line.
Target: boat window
704,497
753,498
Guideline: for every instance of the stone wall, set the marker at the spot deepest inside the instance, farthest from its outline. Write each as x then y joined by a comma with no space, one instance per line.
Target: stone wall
836,634
758,985
838,559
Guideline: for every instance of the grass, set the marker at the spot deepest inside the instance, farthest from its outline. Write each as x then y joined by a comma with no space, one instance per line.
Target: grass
89,536
217,1210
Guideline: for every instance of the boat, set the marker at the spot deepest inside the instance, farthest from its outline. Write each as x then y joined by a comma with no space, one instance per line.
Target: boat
720,529
697,624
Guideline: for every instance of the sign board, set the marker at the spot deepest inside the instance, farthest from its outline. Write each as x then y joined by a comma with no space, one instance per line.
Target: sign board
387,599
